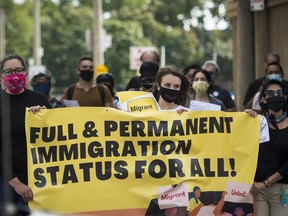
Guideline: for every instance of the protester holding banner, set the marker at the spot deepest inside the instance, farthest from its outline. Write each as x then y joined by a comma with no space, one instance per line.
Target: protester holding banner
171,90
201,82
15,98
271,179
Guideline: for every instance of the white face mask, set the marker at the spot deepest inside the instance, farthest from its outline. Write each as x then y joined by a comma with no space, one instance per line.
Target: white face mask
200,87
275,77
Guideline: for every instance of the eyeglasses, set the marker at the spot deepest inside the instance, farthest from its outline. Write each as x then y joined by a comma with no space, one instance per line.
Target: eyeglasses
272,93
18,71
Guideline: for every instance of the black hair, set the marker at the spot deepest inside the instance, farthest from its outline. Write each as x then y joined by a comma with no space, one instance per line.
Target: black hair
85,58
207,75
10,57
266,84
183,97
35,78
274,63
205,72
105,77
197,67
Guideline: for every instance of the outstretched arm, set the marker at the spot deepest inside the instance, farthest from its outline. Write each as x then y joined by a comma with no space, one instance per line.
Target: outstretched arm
23,190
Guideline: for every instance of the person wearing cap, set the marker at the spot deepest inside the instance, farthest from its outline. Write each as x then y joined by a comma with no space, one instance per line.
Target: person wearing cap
148,72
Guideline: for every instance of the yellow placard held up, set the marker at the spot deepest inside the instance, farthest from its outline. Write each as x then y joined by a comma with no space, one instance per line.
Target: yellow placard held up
137,101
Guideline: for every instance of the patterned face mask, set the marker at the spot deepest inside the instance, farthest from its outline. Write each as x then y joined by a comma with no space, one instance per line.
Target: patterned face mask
200,87
276,103
15,83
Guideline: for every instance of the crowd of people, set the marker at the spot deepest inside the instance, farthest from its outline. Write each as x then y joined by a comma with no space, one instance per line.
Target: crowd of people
173,90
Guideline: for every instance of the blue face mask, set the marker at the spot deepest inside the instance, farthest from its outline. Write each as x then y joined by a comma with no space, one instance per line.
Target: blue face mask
43,88
275,77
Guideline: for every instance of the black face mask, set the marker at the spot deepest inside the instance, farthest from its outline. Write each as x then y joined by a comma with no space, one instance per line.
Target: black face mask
87,75
276,103
169,95
147,84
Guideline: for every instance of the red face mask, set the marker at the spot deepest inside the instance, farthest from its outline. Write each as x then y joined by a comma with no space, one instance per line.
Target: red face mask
15,83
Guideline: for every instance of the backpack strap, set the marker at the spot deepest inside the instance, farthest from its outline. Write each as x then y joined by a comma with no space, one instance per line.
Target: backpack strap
70,92
102,93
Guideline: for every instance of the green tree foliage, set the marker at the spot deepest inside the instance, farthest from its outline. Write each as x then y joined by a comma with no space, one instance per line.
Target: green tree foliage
63,38
156,23
141,23
19,28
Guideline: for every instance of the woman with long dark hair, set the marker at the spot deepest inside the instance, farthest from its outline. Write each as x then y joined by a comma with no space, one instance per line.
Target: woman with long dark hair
171,89
14,99
201,83
271,179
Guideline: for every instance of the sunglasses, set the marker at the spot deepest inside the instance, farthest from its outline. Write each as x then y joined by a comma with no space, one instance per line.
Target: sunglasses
273,93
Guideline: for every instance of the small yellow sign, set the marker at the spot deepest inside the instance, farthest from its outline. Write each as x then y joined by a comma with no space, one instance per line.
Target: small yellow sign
144,104
137,101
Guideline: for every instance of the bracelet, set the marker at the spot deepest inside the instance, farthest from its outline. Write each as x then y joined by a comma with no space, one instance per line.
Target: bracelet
265,184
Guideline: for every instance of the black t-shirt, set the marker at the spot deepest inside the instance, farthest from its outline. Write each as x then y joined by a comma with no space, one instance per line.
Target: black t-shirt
273,156
134,82
222,95
15,117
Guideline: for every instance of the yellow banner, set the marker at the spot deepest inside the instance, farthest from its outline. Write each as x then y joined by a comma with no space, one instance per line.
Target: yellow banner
102,161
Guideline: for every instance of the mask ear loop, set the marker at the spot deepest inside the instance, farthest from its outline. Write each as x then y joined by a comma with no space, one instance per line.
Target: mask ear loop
157,85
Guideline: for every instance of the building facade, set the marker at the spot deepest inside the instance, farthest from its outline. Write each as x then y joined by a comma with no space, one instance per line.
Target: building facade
255,33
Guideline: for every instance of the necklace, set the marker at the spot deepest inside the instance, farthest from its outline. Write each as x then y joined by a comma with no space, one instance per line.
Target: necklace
275,120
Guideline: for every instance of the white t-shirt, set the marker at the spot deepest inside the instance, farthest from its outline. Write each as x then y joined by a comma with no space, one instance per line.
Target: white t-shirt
255,103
